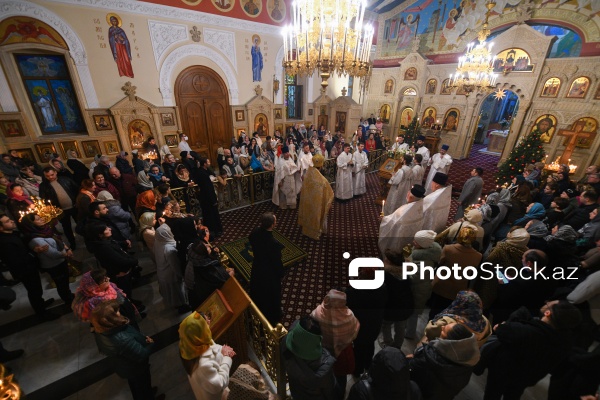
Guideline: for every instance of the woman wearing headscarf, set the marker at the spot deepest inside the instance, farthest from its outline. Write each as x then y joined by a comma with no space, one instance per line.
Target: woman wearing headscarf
53,260
339,328
206,363
473,220
94,288
60,168
156,176
80,171
507,253
119,217
181,178
309,365
519,202
126,348
590,232
147,222
537,232
123,165
533,211
462,254
466,310
164,151
31,182
168,271
443,367
18,201
504,206
561,248
146,199
389,378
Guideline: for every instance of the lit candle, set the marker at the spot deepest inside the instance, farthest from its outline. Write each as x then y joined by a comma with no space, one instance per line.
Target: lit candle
382,204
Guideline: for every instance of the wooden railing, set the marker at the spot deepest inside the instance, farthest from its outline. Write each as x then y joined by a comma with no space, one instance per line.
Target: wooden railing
256,187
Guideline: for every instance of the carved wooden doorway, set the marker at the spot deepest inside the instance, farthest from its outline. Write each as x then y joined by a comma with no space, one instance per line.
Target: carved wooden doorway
203,100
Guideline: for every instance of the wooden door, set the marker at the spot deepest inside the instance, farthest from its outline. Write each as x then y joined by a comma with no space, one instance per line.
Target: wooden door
203,100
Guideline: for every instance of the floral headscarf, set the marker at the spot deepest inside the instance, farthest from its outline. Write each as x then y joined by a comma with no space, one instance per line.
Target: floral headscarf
89,294
467,310
194,336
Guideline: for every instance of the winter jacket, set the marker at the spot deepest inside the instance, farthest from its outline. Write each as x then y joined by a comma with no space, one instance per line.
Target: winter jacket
579,217
421,288
126,349
112,257
442,368
126,185
389,378
47,192
311,380
51,257
400,302
123,165
119,217
204,275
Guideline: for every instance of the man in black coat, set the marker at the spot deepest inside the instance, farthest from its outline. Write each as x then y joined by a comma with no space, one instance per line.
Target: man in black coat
526,349
61,191
23,266
126,185
267,269
581,215
208,198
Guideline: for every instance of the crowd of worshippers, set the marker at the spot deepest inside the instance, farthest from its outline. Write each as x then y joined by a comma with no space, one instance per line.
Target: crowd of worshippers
474,325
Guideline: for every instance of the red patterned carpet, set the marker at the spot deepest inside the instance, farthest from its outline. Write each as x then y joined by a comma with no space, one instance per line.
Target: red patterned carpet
352,227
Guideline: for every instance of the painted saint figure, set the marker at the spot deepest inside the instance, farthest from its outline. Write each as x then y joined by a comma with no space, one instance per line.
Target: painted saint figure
257,61
47,109
121,50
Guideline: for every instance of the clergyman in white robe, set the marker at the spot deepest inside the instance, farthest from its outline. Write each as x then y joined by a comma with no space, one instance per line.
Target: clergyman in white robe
398,229
287,182
418,173
436,205
361,162
440,162
343,180
305,160
401,183
399,145
422,150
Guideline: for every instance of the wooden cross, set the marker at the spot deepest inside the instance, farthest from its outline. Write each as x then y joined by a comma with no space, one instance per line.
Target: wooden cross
574,136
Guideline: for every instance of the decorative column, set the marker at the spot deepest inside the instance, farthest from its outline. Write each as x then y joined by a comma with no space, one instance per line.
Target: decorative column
515,128
467,128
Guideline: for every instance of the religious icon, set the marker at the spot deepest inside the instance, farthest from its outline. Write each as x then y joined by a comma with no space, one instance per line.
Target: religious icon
546,125
70,149
410,74
261,124
111,147
322,121
384,113
45,151
91,148
428,117
139,130
223,5
406,117
171,140
446,89
239,115
278,113
167,119
597,95
23,29
119,45
102,122
516,60
340,121
431,86
551,88
579,87
276,9
451,120
25,153
389,86
252,8
585,124
257,59
12,128
323,110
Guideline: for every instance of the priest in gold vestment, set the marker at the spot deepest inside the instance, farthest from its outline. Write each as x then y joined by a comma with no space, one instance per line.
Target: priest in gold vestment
315,200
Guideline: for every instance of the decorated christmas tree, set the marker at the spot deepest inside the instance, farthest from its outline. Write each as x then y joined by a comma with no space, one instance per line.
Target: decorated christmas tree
528,151
412,131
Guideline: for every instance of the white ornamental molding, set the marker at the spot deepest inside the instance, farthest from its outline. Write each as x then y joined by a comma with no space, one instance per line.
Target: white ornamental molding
224,41
194,50
12,8
7,101
178,14
163,35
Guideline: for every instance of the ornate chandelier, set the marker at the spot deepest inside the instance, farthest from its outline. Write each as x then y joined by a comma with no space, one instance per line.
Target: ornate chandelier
327,35
475,69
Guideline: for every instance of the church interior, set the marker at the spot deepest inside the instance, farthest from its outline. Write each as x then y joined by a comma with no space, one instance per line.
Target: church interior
80,79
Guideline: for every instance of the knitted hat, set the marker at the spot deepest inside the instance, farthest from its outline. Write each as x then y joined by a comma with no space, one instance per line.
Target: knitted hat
440,178
425,238
318,161
194,336
303,344
445,147
418,191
